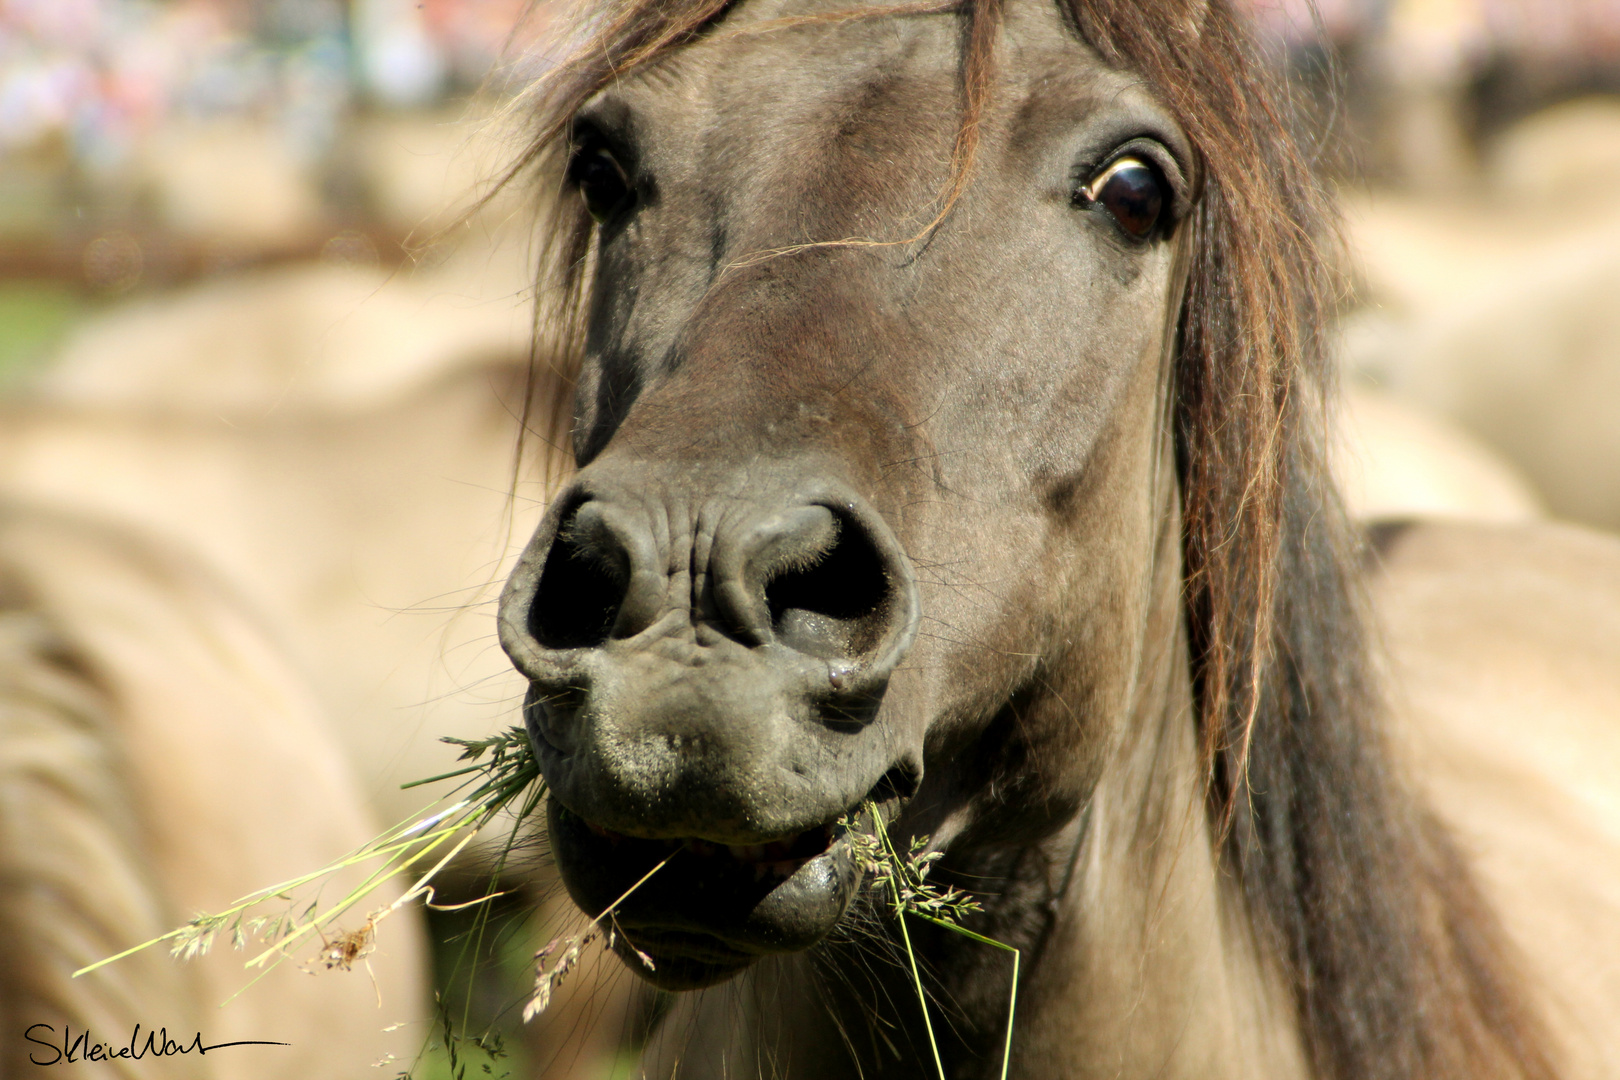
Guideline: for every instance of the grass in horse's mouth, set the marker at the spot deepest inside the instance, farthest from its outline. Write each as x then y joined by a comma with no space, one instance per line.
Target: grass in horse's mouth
504,776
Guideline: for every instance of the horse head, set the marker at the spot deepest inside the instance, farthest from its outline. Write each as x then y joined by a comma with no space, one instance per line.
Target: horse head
875,492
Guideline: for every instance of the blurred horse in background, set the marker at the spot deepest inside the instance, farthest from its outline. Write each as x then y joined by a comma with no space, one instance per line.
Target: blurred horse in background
339,444
1497,308
155,744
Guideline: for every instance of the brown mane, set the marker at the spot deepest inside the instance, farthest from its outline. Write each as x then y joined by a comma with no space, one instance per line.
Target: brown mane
1396,967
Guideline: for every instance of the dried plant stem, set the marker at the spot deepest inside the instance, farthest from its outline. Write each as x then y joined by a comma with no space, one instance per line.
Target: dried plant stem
547,979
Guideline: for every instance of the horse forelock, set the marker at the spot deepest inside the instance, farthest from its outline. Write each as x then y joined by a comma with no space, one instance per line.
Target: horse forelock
1395,965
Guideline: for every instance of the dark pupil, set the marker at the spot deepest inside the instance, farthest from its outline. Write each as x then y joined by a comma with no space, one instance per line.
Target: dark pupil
601,181
1132,194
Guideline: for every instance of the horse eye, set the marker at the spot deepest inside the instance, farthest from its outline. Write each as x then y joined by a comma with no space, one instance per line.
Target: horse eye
600,179
1129,189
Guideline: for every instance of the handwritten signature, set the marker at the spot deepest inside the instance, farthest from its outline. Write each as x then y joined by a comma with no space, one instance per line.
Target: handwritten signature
73,1049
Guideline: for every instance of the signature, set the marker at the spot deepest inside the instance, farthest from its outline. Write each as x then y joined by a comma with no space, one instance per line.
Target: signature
72,1049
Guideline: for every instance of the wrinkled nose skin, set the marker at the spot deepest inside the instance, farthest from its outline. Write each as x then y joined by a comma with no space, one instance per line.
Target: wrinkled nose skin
707,656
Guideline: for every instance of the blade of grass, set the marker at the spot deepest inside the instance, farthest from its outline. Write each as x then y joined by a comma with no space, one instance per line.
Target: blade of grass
545,982
911,954
1012,997
899,868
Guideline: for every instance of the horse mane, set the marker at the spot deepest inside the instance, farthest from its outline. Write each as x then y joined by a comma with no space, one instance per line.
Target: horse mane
1397,968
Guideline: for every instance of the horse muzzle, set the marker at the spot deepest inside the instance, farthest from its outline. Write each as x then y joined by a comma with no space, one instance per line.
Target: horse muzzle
706,676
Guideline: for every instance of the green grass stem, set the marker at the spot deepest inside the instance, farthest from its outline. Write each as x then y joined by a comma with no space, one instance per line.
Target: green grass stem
508,772
903,869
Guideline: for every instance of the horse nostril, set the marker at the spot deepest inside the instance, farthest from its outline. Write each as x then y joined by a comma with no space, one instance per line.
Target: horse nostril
582,585
835,604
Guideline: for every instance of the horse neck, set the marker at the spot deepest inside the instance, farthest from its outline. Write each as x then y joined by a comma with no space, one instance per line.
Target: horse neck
1139,957
1149,967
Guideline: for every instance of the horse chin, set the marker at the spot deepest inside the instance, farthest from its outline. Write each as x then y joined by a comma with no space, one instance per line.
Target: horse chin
710,910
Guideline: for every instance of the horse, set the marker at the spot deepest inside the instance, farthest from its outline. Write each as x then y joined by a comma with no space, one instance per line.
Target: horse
1526,361
1495,309
1393,461
950,426
151,730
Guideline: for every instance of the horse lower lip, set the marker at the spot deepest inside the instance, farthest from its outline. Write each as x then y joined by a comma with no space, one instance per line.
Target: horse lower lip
700,947
783,856
675,893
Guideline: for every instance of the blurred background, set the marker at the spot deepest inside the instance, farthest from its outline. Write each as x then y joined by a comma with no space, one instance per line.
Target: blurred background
153,145
241,310
146,143
1476,148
